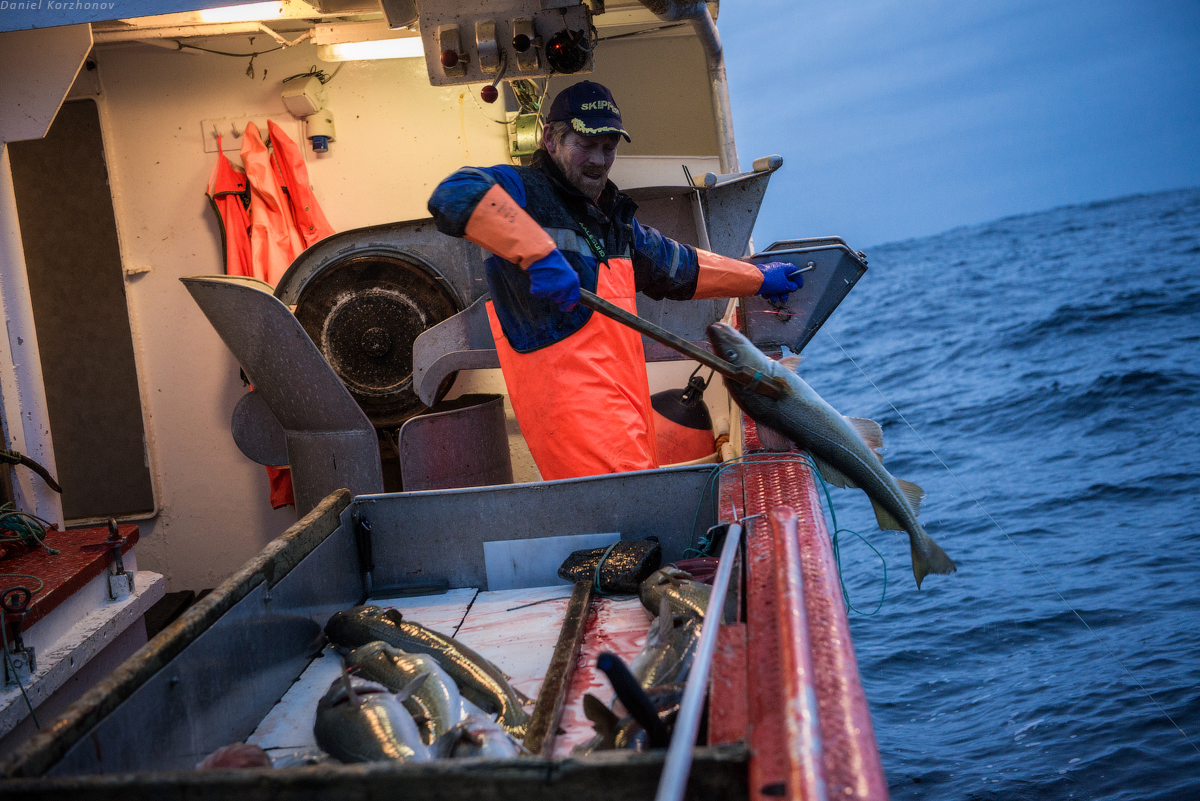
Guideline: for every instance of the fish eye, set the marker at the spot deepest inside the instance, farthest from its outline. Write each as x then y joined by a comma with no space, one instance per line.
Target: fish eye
731,355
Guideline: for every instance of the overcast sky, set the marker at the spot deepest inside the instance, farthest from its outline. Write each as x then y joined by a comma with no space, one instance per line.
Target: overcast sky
902,119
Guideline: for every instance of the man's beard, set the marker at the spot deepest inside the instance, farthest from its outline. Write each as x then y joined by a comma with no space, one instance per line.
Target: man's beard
590,179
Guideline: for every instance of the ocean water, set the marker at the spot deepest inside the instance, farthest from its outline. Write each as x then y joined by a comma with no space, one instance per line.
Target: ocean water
1049,366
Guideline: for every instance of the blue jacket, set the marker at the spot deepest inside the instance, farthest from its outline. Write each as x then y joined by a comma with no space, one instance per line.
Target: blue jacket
662,267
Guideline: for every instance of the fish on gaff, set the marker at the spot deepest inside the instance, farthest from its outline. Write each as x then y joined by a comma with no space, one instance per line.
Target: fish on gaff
845,449
435,704
686,596
670,648
362,721
478,680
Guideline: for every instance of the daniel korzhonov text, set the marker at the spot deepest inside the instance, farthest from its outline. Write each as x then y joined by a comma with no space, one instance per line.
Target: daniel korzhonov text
54,5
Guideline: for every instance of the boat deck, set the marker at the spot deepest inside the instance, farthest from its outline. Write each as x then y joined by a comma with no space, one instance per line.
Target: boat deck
515,629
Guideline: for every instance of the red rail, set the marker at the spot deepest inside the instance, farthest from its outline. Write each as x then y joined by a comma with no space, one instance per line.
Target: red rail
798,675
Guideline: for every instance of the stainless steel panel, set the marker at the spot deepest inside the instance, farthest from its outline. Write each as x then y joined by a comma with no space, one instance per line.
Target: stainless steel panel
464,342
217,689
835,271
257,433
297,385
464,446
424,538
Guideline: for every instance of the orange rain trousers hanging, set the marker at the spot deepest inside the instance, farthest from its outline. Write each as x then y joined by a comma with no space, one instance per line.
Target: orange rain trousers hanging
283,220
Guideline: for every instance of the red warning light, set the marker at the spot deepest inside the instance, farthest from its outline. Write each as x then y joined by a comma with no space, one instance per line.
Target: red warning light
488,94
449,58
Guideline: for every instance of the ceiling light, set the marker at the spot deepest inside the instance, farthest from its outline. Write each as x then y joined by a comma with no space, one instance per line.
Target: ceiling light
408,47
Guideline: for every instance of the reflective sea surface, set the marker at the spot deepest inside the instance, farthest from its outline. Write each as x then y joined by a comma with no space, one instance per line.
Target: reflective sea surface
1049,366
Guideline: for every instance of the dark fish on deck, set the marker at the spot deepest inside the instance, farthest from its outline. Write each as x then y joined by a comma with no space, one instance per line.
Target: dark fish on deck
669,650
435,704
613,731
478,680
686,596
846,449
362,721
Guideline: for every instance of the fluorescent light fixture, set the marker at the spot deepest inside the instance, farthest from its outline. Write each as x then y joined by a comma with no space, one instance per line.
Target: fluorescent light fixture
408,47
250,12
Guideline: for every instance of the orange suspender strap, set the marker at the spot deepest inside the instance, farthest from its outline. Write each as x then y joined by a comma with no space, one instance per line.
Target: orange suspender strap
499,225
723,277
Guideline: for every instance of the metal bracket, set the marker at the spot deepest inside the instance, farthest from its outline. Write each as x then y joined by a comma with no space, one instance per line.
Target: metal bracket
20,663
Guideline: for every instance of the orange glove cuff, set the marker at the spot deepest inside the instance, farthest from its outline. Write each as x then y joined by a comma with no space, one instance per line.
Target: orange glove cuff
499,225
723,277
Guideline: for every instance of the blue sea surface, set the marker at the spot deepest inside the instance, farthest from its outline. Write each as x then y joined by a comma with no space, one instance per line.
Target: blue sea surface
1048,365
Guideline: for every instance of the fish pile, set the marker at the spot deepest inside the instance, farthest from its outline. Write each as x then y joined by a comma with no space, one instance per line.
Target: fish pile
845,449
411,694
659,670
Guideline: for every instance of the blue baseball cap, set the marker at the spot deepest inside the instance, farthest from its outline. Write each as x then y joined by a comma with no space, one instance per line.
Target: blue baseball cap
590,109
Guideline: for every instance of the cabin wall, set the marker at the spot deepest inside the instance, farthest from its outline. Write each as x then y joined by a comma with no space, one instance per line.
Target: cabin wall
396,138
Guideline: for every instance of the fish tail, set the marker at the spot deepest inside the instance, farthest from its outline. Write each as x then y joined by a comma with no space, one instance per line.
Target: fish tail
928,557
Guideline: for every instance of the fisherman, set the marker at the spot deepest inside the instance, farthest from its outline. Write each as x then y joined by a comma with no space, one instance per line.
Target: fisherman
577,380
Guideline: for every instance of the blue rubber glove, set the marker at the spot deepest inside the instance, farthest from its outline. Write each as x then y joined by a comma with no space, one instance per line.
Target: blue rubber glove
777,282
552,277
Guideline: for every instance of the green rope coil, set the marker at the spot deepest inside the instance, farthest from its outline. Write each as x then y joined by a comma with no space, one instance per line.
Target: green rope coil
23,527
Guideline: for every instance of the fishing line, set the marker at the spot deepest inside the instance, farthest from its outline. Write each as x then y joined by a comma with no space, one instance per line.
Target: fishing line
705,542
1032,564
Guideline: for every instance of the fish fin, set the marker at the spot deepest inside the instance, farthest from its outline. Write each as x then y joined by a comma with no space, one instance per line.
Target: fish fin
350,693
871,433
408,689
933,560
885,519
772,440
443,746
833,476
913,494
393,616
790,362
603,719
522,697
663,625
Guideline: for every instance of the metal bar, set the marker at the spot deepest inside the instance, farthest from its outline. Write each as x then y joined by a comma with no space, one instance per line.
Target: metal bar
673,783
539,739
801,730
753,379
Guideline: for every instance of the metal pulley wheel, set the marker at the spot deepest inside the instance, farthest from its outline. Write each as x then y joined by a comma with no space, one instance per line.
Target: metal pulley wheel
364,312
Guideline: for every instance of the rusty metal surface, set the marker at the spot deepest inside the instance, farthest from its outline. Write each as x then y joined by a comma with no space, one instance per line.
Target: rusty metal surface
465,445
728,710
852,766
547,713
802,735
851,755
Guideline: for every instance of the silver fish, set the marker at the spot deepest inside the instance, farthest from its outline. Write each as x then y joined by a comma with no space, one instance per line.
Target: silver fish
361,721
478,680
435,704
687,597
480,736
669,650
846,449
